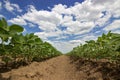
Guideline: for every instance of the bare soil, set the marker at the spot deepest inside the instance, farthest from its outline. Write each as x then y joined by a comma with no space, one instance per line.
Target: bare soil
64,68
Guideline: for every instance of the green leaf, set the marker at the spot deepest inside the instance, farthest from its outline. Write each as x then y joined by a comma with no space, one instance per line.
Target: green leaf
31,41
38,41
3,33
18,39
15,28
3,23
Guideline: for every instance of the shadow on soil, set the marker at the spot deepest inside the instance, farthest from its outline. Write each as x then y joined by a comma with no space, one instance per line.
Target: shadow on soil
8,67
15,65
107,70
1,78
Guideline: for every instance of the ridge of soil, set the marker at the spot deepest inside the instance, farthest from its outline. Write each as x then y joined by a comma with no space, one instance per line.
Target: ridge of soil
64,68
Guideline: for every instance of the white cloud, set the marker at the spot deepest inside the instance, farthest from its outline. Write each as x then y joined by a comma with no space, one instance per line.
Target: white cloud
76,42
0,5
61,9
1,16
109,5
19,20
42,15
102,21
113,26
31,25
61,37
64,46
116,31
66,19
11,7
78,19
89,37
47,26
45,35
76,27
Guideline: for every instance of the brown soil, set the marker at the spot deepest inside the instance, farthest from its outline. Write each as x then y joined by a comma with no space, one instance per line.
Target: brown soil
64,68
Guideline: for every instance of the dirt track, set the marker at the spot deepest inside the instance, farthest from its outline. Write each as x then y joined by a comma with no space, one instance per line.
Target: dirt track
58,68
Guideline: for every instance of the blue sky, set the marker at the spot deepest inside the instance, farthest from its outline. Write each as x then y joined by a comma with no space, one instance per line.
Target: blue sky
63,23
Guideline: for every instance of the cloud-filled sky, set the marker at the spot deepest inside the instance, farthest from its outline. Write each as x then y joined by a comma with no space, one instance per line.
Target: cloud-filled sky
63,23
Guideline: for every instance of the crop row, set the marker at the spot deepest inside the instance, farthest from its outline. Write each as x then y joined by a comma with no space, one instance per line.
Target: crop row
105,47
15,47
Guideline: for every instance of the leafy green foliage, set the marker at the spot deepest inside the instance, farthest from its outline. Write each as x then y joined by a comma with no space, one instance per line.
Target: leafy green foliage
15,28
105,47
21,47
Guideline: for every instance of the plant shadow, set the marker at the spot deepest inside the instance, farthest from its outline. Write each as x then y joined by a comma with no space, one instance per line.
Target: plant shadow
108,71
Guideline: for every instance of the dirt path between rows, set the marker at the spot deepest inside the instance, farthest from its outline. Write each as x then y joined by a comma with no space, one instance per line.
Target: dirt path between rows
58,68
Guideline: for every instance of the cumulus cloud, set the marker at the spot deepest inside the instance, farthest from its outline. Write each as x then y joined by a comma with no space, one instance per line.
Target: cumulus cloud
45,35
111,6
0,5
31,25
19,20
1,16
113,26
11,7
116,31
76,27
78,19
64,46
76,41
